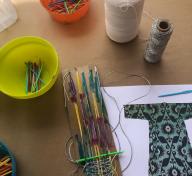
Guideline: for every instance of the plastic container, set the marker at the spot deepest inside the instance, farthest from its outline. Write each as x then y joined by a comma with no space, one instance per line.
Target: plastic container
5,151
66,18
8,14
13,57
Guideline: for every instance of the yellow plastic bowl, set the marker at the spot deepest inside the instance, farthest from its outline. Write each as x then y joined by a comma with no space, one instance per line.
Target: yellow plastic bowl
13,56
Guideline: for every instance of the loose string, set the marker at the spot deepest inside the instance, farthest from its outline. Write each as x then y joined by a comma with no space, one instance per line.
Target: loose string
121,108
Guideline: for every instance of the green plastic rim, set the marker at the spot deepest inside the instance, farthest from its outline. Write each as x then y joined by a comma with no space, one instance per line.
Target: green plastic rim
13,56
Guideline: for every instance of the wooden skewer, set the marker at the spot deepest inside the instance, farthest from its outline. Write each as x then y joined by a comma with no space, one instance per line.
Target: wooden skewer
4,162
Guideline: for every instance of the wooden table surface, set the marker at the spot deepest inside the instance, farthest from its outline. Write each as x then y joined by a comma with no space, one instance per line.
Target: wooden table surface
36,130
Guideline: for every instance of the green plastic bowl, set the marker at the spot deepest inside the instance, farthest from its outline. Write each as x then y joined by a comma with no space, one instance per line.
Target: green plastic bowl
13,56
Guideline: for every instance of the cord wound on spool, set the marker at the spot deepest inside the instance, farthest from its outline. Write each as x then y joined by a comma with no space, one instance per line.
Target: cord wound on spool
122,19
158,40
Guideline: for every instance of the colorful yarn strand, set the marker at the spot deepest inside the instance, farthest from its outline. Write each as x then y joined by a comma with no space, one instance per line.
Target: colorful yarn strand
66,6
33,77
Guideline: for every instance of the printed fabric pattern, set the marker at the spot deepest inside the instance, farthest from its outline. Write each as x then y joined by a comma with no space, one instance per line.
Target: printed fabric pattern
169,146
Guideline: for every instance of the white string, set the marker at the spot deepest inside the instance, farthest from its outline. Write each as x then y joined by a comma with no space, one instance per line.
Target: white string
148,14
122,19
121,109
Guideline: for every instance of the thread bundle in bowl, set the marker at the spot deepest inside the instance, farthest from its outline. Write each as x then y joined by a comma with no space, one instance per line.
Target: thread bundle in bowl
159,37
7,161
122,19
33,66
66,11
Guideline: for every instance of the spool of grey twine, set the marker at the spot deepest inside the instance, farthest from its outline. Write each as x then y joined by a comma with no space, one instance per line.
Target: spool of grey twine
159,37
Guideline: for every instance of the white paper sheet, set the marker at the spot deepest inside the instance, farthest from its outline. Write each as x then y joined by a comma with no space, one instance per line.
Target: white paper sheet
8,14
138,130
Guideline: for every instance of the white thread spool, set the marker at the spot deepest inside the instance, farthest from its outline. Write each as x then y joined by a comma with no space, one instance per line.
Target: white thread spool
122,19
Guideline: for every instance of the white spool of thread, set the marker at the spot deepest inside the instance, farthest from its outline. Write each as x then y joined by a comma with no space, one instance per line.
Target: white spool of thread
122,19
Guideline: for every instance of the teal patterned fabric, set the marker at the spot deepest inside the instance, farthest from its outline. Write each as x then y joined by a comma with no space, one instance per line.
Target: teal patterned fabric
169,146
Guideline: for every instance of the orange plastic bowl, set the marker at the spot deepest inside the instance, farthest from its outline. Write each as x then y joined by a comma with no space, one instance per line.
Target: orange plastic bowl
64,17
